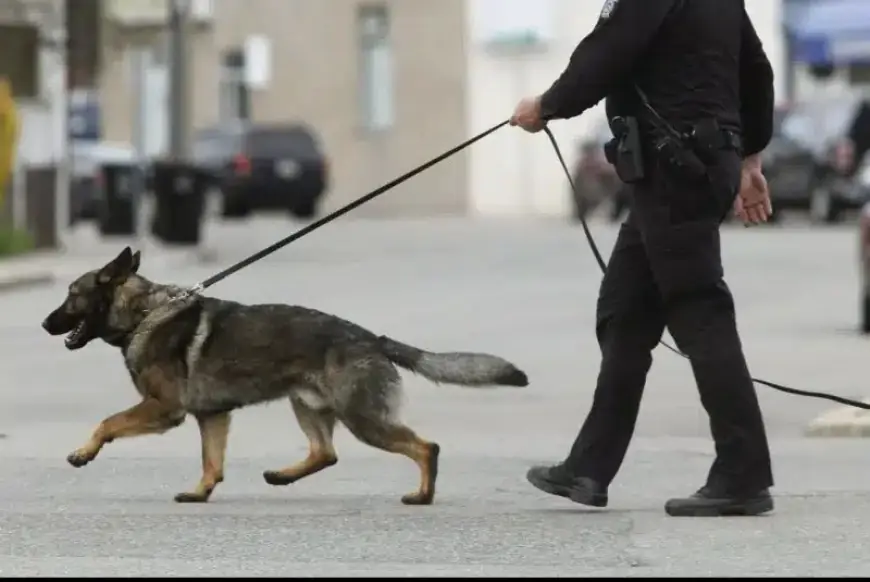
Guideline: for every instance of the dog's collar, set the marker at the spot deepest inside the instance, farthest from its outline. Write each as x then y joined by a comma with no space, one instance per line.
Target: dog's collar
118,340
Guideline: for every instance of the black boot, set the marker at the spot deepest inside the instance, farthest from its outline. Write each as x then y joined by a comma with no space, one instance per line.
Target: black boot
557,480
708,502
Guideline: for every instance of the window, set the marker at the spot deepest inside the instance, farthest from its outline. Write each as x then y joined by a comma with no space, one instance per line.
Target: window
234,96
160,50
84,42
19,59
376,68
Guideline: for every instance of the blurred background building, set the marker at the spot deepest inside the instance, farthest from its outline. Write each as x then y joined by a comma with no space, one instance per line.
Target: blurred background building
383,85
826,45
33,61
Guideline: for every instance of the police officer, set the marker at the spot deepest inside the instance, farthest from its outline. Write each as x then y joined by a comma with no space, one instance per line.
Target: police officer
690,98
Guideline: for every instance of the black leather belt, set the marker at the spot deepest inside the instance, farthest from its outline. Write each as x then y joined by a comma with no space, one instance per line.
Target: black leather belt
727,140
731,140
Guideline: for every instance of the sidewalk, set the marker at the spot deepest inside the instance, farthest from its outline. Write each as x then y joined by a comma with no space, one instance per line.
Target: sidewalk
85,250
31,270
841,422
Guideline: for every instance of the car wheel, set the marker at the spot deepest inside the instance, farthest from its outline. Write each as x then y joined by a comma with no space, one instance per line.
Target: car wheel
232,207
865,314
304,209
823,208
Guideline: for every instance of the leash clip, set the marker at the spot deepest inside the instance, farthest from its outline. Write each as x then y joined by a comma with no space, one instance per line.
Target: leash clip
195,290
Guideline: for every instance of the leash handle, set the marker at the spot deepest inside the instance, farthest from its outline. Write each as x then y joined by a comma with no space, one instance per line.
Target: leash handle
342,211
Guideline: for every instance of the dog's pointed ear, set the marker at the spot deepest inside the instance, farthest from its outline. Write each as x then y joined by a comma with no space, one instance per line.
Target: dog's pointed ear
137,259
118,268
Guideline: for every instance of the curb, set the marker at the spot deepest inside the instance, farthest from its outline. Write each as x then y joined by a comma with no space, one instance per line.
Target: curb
30,280
841,422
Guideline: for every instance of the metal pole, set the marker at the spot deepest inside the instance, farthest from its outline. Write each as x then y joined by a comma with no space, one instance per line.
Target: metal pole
179,79
180,119
139,65
60,112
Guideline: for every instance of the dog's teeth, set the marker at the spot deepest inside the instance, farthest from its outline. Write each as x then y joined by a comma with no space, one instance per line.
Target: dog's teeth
75,334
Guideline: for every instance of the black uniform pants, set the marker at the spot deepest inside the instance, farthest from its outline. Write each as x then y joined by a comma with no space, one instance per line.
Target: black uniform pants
666,271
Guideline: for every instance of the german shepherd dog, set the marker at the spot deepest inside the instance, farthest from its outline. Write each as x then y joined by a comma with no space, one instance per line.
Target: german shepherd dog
197,355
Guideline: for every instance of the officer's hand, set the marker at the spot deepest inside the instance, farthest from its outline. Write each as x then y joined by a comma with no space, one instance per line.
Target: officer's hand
752,204
527,115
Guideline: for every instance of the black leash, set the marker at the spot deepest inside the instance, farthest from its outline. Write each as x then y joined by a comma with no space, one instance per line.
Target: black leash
340,212
422,168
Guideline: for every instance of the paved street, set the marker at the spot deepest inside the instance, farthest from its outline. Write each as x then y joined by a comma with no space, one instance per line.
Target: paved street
522,289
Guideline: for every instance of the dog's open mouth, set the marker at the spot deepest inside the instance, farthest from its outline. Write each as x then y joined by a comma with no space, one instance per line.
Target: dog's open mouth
77,337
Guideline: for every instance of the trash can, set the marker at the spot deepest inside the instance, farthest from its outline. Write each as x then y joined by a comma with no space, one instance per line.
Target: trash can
117,191
179,191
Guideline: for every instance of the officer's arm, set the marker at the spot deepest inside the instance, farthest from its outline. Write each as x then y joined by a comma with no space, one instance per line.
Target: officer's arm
605,57
756,91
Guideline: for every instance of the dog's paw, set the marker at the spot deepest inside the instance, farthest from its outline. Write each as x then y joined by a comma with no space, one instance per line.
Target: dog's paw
278,478
418,498
80,458
192,497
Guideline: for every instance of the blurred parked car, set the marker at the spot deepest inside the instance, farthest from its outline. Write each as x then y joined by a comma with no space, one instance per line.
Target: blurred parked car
86,161
596,178
811,161
863,182
263,167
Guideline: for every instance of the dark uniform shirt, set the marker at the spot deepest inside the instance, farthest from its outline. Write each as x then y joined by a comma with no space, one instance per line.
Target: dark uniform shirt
694,59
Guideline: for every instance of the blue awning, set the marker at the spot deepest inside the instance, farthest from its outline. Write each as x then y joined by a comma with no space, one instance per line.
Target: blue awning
830,31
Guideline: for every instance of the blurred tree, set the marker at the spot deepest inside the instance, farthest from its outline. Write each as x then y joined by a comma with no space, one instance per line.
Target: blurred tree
8,136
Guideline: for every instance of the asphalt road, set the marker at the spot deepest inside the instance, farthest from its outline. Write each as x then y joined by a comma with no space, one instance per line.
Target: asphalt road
522,289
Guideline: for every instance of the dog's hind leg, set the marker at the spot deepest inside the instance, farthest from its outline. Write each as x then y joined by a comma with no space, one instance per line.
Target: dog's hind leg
213,431
318,425
393,437
372,389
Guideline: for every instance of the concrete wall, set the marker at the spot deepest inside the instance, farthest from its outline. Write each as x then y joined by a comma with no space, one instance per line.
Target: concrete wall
116,81
316,68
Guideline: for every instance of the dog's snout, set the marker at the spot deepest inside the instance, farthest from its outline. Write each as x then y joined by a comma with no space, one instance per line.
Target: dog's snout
52,324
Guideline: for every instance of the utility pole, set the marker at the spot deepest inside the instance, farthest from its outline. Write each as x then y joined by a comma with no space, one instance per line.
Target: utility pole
140,62
55,38
179,80
180,118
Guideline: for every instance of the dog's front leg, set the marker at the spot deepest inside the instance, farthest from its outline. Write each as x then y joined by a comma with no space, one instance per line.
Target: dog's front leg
151,416
213,430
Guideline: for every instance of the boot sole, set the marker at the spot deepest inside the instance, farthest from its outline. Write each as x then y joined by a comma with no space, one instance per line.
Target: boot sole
575,495
736,508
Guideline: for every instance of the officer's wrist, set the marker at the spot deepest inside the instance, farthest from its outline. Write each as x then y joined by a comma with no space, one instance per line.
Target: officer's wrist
752,162
548,104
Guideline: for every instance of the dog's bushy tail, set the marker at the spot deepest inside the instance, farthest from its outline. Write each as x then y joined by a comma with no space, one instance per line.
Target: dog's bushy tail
462,368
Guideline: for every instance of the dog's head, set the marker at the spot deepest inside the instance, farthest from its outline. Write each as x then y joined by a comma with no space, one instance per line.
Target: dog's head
85,313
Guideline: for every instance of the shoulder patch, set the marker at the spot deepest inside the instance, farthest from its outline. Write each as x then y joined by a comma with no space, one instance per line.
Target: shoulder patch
608,8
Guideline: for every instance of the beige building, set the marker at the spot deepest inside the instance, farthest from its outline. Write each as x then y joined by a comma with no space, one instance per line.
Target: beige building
382,82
